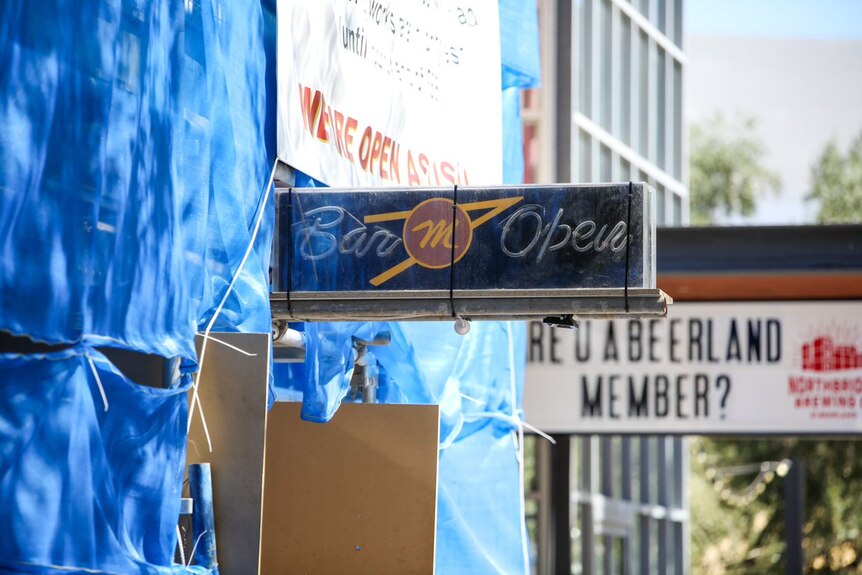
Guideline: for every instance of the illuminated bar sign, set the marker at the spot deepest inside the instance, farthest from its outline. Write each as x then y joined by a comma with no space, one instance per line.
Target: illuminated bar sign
479,252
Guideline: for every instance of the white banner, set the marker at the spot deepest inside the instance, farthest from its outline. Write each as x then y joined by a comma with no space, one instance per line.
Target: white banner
383,93
789,368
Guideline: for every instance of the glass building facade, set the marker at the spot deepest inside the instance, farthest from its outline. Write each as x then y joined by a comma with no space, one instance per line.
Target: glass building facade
611,105
610,109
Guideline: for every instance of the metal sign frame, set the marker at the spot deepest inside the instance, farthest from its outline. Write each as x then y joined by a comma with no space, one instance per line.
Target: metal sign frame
484,253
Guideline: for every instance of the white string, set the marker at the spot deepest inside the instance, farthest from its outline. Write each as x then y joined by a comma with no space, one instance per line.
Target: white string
98,382
195,548
511,420
248,250
538,432
233,347
180,546
471,398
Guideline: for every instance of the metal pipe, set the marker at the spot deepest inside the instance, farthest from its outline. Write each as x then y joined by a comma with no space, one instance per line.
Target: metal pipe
203,516
284,336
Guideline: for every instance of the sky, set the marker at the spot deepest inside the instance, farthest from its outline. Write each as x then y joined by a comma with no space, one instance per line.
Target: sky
813,19
795,67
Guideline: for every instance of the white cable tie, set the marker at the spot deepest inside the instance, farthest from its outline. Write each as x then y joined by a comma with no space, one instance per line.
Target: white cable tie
538,431
196,401
511,420
98,382
233,347
195,548
471,398
206,335
204,424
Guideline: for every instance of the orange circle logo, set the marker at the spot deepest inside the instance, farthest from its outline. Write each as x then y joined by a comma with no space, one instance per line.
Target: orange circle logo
428,233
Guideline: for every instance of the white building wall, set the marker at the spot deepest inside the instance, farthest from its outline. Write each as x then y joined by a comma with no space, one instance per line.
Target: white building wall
803,93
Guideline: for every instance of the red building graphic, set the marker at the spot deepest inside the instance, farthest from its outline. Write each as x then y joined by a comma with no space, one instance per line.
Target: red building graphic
823,355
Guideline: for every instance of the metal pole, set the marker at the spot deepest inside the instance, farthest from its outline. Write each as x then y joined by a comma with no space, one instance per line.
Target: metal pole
586,509
561,497
644,532
794,517
203,517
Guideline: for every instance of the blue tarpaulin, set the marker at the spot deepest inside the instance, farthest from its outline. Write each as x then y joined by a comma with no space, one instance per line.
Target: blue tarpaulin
91,466
132,166
476,379
136,143
137,140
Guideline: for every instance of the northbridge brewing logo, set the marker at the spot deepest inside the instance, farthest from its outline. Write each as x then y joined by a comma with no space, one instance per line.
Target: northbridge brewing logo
829,383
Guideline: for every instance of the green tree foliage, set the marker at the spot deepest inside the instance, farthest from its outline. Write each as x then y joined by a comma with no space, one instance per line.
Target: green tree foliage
836,183
738,507
726,170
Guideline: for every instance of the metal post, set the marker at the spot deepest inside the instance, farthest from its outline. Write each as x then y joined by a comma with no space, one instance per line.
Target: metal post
363,383
546,506
606,487
644,532
794,517
663,500
561,541
626,495
586,510
203,517
184,532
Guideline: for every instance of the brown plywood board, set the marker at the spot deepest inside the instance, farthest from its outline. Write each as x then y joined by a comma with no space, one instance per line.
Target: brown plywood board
233,393
353,496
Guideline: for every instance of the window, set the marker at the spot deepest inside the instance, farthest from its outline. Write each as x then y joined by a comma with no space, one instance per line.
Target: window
625,170
585,156
661,16
584,59
625,83
606,67
676,215
660,109
678,128
677,22
660,215
605,164
643,109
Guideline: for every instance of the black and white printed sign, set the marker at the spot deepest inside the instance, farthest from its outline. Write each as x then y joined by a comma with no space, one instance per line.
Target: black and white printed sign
706,368
378,93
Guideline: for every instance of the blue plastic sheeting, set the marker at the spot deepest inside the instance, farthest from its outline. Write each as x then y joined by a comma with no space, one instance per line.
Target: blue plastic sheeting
477,380
137,140
329,365
513,137
228,138
480,524
521,69
82,487
467,375
136,145
519,44
132,166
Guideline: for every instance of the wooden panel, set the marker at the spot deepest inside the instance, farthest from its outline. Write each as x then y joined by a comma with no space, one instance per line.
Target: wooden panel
233,393
355,495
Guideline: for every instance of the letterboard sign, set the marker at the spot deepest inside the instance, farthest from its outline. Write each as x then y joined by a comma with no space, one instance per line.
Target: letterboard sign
534,250
708,368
